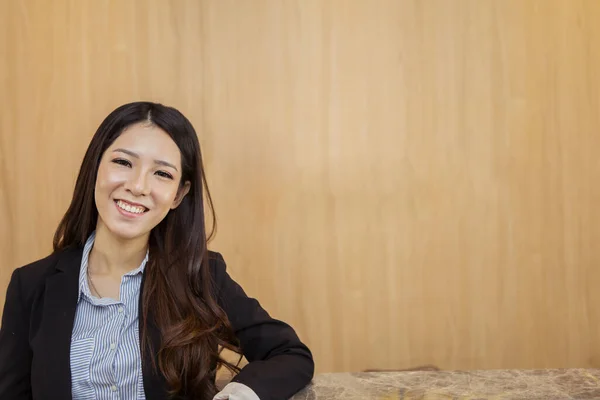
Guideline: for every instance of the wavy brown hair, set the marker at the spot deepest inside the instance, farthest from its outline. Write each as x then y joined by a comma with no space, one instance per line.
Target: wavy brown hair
178,293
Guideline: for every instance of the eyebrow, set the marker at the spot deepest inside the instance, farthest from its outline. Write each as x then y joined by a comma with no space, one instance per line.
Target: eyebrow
135,155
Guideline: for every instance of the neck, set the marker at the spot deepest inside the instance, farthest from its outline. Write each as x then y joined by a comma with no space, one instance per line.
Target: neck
115,256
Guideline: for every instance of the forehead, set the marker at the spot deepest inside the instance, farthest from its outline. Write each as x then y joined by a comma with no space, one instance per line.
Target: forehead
148,140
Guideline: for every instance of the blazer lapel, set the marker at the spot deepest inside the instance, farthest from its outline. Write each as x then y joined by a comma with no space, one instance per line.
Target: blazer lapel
62,289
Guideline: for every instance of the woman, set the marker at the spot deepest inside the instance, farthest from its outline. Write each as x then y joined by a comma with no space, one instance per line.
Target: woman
131,304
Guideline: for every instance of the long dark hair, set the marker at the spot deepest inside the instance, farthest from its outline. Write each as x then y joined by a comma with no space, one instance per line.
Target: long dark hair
178,292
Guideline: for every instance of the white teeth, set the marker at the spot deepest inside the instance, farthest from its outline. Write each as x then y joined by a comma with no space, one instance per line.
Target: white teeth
130,208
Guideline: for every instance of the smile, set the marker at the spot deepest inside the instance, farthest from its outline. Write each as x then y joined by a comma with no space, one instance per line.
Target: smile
130,208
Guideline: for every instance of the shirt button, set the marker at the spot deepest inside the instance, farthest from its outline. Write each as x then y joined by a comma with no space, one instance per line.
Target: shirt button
113,346
113,388
121,309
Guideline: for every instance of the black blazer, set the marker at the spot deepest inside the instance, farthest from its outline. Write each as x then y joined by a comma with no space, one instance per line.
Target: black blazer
35,336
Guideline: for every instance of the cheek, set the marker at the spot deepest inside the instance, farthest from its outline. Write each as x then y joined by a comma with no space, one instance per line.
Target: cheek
164,198
108,180
100,182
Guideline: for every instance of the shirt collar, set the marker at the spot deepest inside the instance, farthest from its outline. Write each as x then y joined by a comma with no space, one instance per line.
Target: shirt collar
83,279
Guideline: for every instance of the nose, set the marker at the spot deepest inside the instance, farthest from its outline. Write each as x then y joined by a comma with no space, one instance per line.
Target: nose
137,184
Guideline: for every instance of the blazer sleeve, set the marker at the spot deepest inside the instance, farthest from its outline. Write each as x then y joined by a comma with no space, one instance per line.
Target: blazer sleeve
15,353
279,363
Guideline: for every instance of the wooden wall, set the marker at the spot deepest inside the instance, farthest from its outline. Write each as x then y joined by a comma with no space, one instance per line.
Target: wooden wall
406,182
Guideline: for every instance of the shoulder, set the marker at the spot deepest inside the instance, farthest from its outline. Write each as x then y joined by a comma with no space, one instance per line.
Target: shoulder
33,275
223,285
218,268
226,289
35,271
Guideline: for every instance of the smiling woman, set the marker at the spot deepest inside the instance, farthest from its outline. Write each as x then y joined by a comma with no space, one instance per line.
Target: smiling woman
138,181
131,303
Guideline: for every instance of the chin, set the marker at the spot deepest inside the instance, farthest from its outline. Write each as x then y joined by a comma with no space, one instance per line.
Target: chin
129,236
126,232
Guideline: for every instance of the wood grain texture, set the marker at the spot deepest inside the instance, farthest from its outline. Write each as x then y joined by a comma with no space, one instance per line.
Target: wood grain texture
405,182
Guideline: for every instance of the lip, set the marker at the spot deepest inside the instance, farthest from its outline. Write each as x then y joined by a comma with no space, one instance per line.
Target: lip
127,213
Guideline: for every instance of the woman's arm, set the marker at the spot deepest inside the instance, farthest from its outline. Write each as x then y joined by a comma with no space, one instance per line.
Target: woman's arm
15,354
279,363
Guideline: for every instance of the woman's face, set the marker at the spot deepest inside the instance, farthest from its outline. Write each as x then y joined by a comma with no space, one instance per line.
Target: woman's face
138,181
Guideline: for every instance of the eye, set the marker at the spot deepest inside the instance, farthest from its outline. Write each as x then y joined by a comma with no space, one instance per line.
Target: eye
164,174
122,161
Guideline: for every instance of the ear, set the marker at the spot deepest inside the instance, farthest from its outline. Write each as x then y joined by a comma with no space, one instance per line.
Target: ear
183,190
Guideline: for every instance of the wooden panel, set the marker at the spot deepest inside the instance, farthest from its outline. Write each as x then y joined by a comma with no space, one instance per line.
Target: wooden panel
406,182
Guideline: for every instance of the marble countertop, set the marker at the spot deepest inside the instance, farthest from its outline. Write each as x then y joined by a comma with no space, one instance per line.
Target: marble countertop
552,384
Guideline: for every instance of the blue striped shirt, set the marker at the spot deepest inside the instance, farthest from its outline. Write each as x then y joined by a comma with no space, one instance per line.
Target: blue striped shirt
105,345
